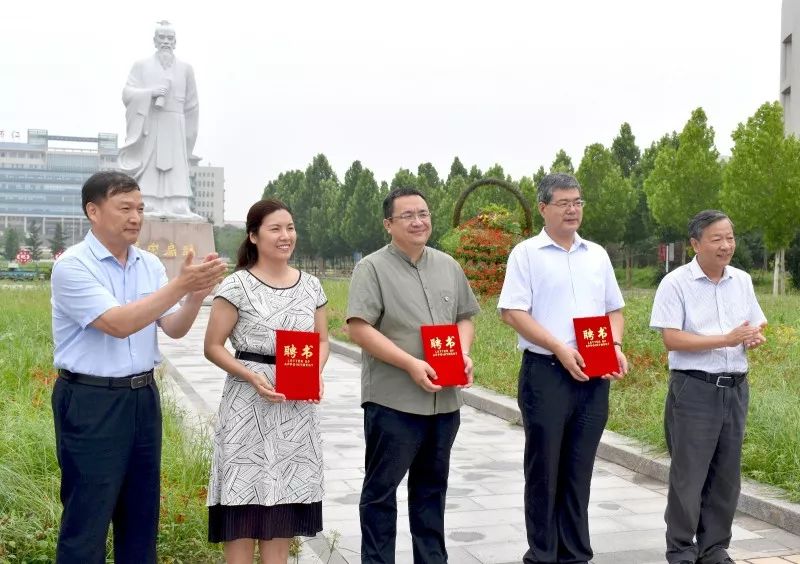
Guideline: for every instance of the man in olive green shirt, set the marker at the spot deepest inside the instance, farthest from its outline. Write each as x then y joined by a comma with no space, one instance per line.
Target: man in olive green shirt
410,422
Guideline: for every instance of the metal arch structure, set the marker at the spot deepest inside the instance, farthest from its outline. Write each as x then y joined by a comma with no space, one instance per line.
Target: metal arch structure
508,186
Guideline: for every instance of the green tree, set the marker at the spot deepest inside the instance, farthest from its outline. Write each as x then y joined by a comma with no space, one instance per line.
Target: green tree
312,216
762,181
474,174
289,188
627,155
625,150
11,244
404,178
318,172
537,178
687,179
34,240
305,194
443,213
646,223
609,195
496,171
362,219
325,220
429,177
439,200
346,194
562,163
227,240
58,243
528,187
457,169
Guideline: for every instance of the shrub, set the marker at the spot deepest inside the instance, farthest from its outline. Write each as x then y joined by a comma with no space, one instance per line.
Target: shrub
484,244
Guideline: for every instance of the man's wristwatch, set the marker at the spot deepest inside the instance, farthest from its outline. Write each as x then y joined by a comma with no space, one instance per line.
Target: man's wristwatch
618,344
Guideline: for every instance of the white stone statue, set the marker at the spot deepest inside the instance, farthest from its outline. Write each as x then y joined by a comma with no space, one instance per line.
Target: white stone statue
162,114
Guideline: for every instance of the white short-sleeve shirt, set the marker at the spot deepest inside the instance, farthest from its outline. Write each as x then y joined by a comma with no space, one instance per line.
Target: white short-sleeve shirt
689,301
554,285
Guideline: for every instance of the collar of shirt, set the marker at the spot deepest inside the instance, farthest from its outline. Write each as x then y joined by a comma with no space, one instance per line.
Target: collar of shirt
697,272
398,253
543,240
101,253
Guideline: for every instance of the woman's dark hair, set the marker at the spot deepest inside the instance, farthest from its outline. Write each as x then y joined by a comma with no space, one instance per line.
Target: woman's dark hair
248,253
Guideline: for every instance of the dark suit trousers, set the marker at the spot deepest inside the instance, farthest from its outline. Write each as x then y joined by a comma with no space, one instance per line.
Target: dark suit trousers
108,443
563,421
704,426
397,443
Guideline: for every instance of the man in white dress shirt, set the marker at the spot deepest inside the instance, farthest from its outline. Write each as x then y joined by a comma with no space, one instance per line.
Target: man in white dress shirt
708,316
550,279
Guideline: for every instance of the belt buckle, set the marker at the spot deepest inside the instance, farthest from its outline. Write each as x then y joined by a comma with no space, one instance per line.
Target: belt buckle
731,378
139,381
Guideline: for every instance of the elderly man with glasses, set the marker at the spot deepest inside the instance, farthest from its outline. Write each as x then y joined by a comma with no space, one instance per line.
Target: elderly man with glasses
410,422
550,279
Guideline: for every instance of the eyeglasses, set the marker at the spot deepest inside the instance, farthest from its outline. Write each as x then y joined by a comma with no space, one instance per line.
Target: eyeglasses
410,216
564,204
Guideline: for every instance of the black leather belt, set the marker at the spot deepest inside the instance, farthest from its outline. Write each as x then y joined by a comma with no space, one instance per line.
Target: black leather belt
256,357
133,381
720,379
540,355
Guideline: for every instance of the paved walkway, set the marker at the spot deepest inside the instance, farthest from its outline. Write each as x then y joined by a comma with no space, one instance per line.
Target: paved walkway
484,519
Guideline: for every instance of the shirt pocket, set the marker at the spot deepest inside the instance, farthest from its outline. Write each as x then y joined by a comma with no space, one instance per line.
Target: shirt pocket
447,305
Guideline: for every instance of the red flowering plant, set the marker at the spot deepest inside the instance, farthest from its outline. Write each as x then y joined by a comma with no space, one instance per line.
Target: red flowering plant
482,245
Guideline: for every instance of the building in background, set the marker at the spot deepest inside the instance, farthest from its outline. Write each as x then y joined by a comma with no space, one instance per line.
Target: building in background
208,189
41,179
790,67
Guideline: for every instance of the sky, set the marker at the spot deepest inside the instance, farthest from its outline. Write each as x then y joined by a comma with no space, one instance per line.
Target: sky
396,84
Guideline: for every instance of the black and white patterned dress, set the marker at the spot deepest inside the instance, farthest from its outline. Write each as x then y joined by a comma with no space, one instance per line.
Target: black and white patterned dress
266,472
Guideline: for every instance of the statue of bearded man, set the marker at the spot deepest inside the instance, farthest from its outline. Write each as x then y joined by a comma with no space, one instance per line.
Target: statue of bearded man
162,114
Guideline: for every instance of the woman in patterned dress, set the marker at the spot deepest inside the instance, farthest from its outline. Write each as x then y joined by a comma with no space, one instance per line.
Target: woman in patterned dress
266,472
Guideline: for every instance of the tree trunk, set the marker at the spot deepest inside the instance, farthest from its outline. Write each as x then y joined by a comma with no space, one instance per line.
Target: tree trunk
628,268
779,273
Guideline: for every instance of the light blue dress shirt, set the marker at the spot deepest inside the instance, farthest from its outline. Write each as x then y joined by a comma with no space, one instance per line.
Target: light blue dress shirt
87,281
554,285
688,300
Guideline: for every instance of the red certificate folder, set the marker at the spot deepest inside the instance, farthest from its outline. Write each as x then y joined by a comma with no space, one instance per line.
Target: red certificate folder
596,345
297,364
443,352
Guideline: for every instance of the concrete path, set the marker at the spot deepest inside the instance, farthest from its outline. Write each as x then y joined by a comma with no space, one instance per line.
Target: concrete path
484,519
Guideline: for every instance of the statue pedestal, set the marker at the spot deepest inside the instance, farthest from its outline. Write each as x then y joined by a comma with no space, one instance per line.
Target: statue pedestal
171,240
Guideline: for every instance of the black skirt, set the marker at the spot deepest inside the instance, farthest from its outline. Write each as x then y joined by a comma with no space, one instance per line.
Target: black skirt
261,522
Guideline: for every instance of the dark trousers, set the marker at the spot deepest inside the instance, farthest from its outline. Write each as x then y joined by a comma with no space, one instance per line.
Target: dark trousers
397,443
563,421
108,443
704,426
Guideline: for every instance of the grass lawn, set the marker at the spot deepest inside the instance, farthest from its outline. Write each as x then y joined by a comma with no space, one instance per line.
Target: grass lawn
29,475
772,444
